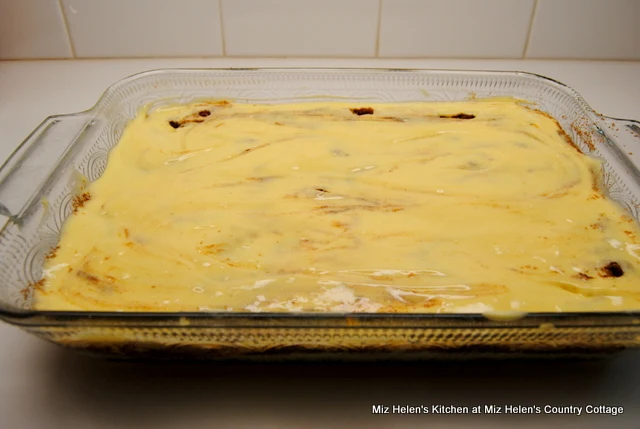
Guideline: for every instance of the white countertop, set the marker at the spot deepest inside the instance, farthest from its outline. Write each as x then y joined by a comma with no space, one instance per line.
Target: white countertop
44,386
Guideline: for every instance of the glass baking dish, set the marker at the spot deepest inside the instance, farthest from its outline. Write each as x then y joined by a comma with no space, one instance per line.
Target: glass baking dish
39,181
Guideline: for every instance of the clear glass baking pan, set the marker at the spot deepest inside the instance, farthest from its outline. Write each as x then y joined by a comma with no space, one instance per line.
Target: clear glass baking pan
51,163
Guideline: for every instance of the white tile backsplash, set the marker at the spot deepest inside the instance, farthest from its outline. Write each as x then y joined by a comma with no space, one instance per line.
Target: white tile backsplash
335,28
144,28
455,28
32,29
564,29
594,29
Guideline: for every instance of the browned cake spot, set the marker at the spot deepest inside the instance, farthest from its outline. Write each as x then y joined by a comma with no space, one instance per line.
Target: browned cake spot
566,138
584,276
432,302
626,218
79,200
322,190
246,151
89,277
362,111
458,116
187,120
213,249
612,269
204,113
52,253
586,138
39,285
29,290
107,284
595,180
126,233
338,224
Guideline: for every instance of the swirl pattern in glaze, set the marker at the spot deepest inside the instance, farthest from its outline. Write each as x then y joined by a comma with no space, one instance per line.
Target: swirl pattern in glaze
442,207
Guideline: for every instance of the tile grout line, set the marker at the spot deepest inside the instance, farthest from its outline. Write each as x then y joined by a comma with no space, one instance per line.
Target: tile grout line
377,52
222,39
533,17
66,29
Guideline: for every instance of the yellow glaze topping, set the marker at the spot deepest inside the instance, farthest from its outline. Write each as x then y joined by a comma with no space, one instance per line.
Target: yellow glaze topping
478,206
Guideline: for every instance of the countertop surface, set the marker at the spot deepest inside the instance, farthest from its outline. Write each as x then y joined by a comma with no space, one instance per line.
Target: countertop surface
44,386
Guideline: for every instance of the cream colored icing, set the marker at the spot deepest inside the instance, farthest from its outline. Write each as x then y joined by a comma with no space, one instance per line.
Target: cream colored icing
311,207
